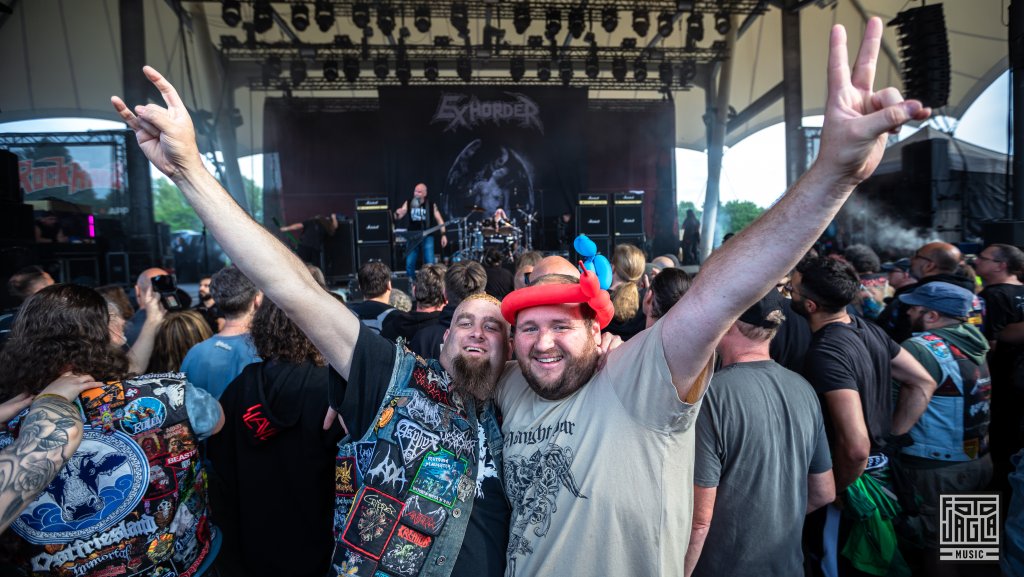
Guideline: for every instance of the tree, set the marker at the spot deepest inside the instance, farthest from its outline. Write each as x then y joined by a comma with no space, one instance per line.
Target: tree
169,205
735,215
683,207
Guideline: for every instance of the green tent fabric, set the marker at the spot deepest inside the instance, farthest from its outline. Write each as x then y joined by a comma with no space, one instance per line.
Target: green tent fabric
871,546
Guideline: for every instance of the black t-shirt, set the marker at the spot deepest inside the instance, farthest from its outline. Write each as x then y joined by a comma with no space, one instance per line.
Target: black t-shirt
418,217
483,550
1004,304
855,356
499,281
789,346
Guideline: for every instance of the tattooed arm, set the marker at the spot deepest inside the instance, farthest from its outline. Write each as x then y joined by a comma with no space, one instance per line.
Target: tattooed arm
49,434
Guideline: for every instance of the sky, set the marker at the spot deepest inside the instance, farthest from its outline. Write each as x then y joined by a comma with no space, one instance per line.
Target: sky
754,169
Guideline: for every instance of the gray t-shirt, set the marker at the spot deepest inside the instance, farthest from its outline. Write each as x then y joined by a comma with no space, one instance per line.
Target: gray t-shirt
759,435
601,482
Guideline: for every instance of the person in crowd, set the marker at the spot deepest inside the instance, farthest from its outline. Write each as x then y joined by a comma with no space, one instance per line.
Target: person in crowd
862,258
950,453
143,287
933,262
663,262
898,275
215,362
139,353
524,267
664,292
628,263
793,337
208,307
273,413
178,333
460,280
555,345
851,363
500,280
374,279
135,486
429,295
22,284
400,301
116,295
691,238
415,215
761,440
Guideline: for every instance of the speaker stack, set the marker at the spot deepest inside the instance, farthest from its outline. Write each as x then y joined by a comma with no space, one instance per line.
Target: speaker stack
373,231
340,252
592,220
628,218
16,219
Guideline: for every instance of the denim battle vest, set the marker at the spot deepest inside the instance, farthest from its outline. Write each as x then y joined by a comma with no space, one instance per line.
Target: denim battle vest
405,490
132,499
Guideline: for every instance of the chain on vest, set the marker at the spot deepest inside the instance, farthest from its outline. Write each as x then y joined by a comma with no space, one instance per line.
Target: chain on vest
132,498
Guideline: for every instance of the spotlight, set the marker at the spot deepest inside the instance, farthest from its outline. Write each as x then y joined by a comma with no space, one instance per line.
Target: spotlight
629,43
442,41
665,73
343,41
640,70
565,71
464,68
386,19
592,66
361,15
323,13
619,68
380,66
271,69
330,70
403,71
694,29
609,18
722,23
687,72
641,22
350,68
460,17
665,24
552,22
262,16
421,18
231,12
431,70
535,41
517,68
521,17
300,16
544,71
577,21
298,72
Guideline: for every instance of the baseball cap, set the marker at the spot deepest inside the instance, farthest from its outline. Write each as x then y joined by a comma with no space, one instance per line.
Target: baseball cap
757,314
946,298
903,264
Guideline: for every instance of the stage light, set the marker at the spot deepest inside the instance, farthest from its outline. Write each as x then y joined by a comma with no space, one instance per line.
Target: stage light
442,41
323,13
350,68
343,41
464,68
565,71
577,21
535,41
300,16
361,15
665,24
431,70
592,67
609,18
694,29
380,66
640,70
271,69
722,23
421,18
521,17
687,72
298,72
460,17
386,19
330,70
262,16
619,68
552,22
665,73
641,22
403,71
543,71
517,68
231,12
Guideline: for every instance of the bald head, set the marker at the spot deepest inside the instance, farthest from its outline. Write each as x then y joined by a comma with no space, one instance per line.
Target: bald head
935,258
553,265
144,282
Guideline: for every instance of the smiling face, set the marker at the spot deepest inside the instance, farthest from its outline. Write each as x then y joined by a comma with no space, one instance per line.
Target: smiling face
556,348
476,347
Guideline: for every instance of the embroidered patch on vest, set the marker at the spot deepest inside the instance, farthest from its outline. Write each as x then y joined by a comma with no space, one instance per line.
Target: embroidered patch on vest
387,470
406,552
414,440
424,516
438,477
373,520
345,476
143,415
355,564
364,456
426,413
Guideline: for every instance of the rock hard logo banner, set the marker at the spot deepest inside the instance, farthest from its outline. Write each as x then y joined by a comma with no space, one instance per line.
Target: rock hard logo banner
515,148
84,174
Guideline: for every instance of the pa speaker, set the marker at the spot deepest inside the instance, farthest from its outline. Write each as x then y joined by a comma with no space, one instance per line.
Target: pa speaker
340,251
628,214
380,252
373,220
1003,232
10,185
592,215
924,51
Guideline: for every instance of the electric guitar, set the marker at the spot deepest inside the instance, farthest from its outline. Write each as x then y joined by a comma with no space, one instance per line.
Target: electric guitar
413,238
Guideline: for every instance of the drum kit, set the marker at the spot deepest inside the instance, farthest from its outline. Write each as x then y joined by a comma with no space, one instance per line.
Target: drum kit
477,235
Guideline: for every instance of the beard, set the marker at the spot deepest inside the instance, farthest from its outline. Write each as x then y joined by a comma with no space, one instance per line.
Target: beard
799,307
474,377
578,370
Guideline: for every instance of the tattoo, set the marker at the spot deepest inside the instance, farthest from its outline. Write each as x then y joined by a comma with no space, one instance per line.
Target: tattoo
49,435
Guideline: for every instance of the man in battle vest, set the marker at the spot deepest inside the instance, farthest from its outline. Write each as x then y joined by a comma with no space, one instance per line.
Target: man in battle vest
419,210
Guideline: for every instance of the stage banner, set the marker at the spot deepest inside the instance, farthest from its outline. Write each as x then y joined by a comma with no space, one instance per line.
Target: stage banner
516,148
88,176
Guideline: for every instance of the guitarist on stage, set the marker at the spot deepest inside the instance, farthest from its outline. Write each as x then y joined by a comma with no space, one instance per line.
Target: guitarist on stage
419,209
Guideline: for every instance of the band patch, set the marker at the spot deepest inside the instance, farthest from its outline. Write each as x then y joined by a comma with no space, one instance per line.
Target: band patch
355,564
364,456
373,520
424,516
143,415
432,385
438,477
414,440
387,470
406,552
428,414
345,476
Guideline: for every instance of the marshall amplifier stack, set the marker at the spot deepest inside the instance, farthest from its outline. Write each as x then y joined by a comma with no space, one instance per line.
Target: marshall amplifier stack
592,220
373,231
628,218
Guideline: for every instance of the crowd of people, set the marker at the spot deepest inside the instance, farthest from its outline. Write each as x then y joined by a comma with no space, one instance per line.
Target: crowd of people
779,412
